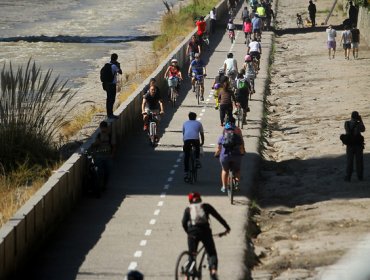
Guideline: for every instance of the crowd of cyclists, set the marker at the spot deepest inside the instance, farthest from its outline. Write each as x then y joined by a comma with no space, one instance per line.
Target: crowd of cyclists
232,89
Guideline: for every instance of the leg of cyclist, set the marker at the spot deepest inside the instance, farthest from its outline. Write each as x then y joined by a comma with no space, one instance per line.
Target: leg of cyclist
210,247
202,90
215,96
196,144
193,241
223,108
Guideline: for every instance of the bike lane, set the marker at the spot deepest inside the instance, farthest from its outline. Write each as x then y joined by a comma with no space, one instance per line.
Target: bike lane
137,222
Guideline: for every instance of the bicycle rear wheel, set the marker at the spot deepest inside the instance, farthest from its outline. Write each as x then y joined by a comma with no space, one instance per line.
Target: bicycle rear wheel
173,97
231,184
185,267
197,92
193,168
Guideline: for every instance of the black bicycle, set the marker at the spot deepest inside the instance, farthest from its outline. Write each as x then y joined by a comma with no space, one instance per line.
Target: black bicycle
233,184
94,179
193,168
191,267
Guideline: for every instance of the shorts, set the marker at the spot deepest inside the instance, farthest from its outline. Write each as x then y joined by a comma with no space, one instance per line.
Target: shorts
257,30
347,46
332,45
255,54
228,161
355,45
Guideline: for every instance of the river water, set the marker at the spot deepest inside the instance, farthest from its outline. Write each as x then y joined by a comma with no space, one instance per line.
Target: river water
74,37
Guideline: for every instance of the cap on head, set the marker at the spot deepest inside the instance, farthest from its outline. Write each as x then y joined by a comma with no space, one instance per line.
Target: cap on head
194,197
196,55
173,60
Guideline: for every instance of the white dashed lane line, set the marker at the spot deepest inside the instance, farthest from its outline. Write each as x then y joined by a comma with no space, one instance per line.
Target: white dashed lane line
132,266
138,254
160,203
152,222
143,243
148,232
156,212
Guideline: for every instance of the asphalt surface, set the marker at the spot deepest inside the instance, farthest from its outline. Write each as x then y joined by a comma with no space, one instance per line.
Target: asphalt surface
136,224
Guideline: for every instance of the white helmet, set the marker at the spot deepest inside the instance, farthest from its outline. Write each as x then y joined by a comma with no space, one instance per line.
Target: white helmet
174,60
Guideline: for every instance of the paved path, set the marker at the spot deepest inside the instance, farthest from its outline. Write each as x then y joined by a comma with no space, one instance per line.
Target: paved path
137,222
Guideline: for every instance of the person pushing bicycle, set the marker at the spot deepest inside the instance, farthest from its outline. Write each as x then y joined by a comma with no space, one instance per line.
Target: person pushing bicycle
195,222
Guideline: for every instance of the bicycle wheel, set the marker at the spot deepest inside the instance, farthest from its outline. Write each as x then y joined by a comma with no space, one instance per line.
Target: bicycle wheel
201,266
152,132
197,92
231,184
185,267
173,97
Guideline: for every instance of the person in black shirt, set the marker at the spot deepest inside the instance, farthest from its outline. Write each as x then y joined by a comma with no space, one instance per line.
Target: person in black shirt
152,102
152,82
312,12
193,48
195,222
355,148
355,41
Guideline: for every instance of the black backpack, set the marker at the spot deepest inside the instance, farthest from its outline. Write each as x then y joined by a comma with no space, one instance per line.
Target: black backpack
231,140
106,74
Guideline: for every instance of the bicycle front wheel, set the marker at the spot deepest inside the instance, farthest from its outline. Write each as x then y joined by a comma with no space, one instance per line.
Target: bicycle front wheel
230,191
173,97
197,92
185,267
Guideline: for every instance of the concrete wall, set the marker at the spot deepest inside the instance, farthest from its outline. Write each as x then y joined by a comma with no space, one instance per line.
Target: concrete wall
363,23
26,231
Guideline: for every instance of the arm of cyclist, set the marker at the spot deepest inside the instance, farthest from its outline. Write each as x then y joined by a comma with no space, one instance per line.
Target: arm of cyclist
161,106
166,73
185,220
143,104
212,211
201,138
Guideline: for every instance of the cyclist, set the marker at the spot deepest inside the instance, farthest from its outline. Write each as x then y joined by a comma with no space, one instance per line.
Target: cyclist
195,222
230,156
256,27
135,275
232,8
261,11
250,73
255,51
245,14
216,85
193,48
202,27
152,82
173,73
231,67
152,102
226,99
231,28
247,29
243,89
191,130
197,68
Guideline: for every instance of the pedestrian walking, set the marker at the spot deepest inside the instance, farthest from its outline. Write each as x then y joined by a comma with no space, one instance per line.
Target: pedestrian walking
213,17
355,32
346,39
312,12
108,76
355,146
331,43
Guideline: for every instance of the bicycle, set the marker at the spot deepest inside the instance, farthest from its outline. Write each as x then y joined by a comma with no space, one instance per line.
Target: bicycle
240,115
233,185
152,131
299,21
232,12
186,264
94,180
197,86
255,63
193,168
172,87
205,39
232,36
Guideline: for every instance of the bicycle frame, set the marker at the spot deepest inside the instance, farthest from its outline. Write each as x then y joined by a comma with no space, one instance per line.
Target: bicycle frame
152,132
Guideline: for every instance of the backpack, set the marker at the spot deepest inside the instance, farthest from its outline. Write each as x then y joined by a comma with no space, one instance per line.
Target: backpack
242,84
231,140
197,214
106,74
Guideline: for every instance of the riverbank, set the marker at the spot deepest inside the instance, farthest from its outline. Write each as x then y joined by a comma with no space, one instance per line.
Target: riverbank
309,215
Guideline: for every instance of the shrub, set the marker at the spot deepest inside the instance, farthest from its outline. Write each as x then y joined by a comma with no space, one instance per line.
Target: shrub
33,107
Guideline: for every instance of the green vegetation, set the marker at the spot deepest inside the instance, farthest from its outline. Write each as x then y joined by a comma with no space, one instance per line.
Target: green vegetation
180,23
33,108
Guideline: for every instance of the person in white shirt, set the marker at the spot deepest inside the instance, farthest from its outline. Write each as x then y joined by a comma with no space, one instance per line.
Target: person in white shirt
192,130
212,16
331,43
231,66
255,50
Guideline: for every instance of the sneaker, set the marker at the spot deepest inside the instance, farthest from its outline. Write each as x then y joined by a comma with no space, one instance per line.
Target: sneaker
198,164
201,98
216,107
236,186
223,189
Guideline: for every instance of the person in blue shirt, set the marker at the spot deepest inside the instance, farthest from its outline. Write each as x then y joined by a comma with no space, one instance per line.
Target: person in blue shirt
197,70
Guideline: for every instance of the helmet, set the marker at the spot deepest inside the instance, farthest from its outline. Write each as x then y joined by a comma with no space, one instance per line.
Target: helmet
221,71
196,55
229,126
135,275
248,58
174,60
194,197
216,86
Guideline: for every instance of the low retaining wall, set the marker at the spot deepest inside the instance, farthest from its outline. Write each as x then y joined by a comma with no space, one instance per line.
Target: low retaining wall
363,23
26,231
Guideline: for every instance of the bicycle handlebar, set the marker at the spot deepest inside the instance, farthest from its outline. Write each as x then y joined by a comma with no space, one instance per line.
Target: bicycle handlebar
221,234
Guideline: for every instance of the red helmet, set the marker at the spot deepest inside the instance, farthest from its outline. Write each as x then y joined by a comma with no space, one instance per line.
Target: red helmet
194,197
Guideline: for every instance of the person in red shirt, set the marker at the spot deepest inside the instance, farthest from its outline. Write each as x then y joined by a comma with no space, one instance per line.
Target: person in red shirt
202,25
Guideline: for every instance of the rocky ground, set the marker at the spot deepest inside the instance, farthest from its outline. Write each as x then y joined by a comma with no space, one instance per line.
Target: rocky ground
309,216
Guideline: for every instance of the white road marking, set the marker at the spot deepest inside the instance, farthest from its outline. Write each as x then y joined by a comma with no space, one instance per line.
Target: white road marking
163,195
169,179
143,242
175,166
148,232
156,212
152,221
138,254
212,144
201,114
203,110
172,172
132,266
207,100
160,203
166,187
199,119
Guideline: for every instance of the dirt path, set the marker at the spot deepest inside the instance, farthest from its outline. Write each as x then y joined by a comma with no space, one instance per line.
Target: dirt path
309,216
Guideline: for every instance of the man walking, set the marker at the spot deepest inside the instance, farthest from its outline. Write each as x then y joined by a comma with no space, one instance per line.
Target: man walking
355,32
355,147
331,43
312,12
346,39
108,76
